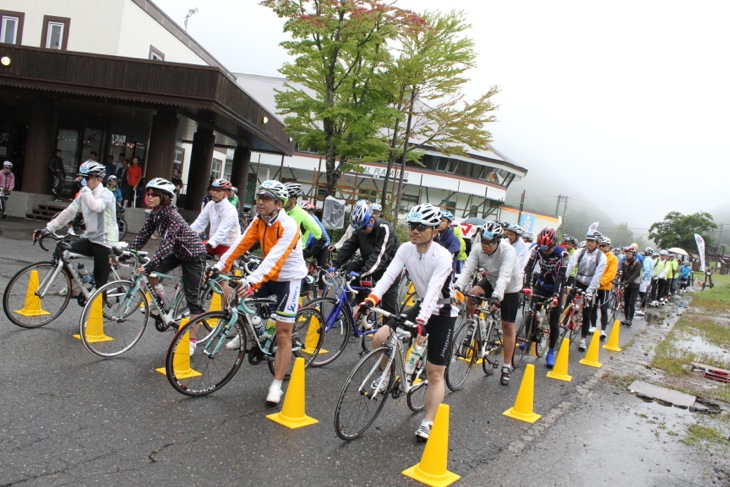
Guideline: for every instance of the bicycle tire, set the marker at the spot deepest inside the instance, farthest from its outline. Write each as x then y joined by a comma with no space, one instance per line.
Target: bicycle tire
120,325
33,311
416,397
542,336
335,330
357,407
523,339
462,356
492,348
122,225
208,364
305,317
375,321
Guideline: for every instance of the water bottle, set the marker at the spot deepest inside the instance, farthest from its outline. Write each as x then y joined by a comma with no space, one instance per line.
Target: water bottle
413,359
482,328
268,335
468,337
257,326
161,296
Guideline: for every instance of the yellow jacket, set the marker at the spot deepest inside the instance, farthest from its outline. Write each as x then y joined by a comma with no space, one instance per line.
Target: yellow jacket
610,273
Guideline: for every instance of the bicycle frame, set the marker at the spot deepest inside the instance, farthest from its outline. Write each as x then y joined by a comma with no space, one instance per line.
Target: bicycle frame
342,293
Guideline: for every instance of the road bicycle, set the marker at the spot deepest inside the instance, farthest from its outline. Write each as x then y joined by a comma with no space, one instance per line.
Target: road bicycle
3,203
38,293
615,301
534,328
378,375
201,343
338,320
571,319
127,305
478,338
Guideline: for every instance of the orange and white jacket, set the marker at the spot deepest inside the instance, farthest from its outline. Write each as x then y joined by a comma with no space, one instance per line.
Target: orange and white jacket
281,245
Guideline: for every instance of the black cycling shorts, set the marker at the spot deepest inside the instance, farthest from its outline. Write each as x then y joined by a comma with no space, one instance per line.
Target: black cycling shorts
440,330
510,303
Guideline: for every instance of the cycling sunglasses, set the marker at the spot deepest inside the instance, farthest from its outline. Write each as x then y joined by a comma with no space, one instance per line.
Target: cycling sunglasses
417,226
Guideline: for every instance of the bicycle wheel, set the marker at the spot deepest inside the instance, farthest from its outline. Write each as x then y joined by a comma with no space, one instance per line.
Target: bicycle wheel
463,354
374,322
122,224
113,319
21,302
523,341
492,348
542,337
197,361
363,395
308,320
416,397
334,331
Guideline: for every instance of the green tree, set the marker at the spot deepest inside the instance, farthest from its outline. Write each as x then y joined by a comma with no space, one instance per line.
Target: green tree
336,101
428,73
677,230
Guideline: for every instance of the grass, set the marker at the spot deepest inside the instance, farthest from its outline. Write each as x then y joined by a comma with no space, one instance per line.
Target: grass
697,434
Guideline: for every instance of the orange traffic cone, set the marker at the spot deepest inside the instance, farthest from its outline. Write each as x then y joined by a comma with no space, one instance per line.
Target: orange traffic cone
32,305
215,303
433,467
293,415
94,326
591,358
613,338
522,410
560,371
181,357
313,334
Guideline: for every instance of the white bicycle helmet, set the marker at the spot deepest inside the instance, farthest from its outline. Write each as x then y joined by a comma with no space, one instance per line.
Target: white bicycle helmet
376,207
295,189
425,214
448,215
515,228
273,189
361,214
161,184
111,178
605,240
492,231
91,168
664,253
221,183
8,164
597,236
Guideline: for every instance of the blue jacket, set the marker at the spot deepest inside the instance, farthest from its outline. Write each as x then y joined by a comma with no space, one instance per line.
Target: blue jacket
449,241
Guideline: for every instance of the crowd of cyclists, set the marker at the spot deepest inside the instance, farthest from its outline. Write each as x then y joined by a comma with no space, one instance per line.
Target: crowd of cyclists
504,265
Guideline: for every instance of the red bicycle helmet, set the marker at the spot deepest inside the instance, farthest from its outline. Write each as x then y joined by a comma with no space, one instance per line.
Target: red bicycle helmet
546,237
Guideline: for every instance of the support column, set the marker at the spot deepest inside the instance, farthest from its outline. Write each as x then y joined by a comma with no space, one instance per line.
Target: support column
40,144
201,161
239,171
161,153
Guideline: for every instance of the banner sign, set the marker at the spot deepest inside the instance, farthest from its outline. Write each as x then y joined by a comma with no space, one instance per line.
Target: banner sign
701,250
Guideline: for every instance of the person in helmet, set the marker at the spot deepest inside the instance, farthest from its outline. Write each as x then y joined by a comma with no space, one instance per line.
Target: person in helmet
313,248
589,263
222,217
645,284
179,246
503,283
429,266
604,287
661,273
7,185
98,207
548,282
377,209
513,233
631,276
461,255
280,273
445,236
307,225
112,184
233,197
377,242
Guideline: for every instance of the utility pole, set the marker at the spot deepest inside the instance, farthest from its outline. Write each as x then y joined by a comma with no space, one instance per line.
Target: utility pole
557,205
565,207
522,204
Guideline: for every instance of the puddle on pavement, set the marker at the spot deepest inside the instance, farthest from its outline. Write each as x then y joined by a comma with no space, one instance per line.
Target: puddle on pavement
699,346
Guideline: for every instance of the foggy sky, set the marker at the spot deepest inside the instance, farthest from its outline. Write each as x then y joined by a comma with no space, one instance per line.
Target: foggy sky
623,104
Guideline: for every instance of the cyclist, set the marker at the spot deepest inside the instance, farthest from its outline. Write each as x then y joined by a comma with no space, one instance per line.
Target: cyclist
232,196
307,225
672,282
377,209
503,282
112,185
96,204
644,286
604,288
461,256
280,273
548,282
445,235
377,242
631,276
589,263
430,269
513,232
7,185
685,272
222,217
662,268
313,248
179,244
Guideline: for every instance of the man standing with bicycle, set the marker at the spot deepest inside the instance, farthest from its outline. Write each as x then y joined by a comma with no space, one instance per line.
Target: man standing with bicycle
589,264
631,276
279,274
503,282
222,217
548,282
604,287
430,268
98,207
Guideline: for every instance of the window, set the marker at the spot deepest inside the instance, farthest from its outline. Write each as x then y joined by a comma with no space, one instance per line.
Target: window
55,32
446,164
11,27
156,55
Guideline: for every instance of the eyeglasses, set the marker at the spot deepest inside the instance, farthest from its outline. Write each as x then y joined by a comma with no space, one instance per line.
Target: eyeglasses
417,226
603,246
545,248
490,243
152,194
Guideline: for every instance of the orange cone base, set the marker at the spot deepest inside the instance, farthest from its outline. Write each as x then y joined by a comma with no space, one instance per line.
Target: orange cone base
416,473
563,377
292,423
293,414
185,374
28,313
526,417
95,338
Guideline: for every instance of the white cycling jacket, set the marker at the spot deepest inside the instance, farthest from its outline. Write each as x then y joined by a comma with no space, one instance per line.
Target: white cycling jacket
223,220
